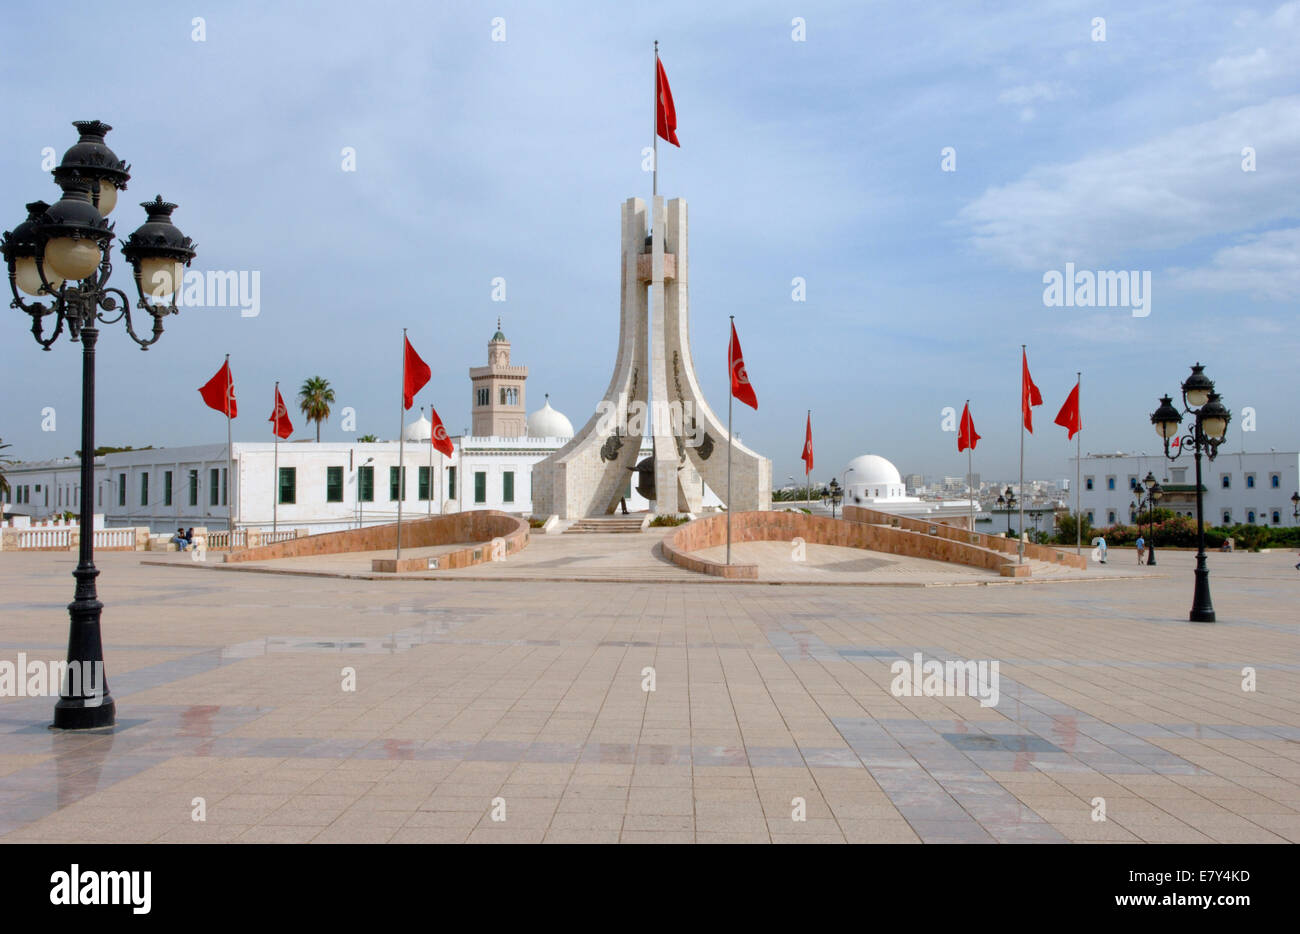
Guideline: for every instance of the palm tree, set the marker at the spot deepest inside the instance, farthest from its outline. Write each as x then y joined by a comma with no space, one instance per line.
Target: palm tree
314,399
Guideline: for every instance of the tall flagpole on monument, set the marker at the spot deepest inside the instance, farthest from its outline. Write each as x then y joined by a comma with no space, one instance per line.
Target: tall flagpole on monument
807,471
401,442
654,136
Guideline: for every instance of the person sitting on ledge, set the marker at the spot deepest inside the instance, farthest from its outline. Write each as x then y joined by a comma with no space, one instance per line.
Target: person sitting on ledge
180,540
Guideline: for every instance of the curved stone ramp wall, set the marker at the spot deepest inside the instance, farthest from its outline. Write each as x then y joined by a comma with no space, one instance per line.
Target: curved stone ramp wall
711,531
1008,546
480,525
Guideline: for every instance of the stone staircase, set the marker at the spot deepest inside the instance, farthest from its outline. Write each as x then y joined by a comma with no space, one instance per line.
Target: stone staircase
604,525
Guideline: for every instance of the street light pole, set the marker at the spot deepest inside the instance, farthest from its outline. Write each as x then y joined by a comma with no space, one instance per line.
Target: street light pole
62,253
1209,429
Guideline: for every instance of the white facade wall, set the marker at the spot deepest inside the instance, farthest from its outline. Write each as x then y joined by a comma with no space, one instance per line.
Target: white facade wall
126,498
1258,491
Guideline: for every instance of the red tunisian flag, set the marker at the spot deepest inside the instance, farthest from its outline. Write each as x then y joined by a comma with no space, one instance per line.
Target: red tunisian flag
282,427
438,437
665,112
1029,394
219,392
966,436
415,373
740,387
807,447
1068,417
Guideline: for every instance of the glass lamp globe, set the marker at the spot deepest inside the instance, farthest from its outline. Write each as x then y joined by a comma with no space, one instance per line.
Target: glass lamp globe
161,277
29,280
72,257
107,197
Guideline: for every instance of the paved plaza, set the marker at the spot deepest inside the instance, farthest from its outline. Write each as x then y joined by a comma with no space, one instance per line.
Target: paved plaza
479,698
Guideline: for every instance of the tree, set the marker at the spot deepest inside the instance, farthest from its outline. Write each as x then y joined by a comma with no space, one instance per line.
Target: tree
1065,526
367,439
314,399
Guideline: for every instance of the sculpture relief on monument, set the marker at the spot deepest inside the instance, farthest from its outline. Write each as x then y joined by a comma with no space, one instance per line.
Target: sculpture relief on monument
588,476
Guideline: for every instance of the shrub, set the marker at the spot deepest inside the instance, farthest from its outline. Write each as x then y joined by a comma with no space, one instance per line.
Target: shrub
667,521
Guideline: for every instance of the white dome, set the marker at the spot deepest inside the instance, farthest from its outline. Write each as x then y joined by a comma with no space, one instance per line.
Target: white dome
873,470
419,430
872,479
546,422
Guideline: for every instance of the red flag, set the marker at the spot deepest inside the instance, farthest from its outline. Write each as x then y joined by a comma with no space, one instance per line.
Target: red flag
219,392
740,387
665,112
1068,417
280,418
966,436
807,447
438,436
415,373
1029,394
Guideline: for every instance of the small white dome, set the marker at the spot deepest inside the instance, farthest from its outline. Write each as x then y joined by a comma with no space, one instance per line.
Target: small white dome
546,422
871,478
419,430
873,470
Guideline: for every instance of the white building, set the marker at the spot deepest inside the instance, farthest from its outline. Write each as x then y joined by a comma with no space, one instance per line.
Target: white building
1249,488
872,482
321,486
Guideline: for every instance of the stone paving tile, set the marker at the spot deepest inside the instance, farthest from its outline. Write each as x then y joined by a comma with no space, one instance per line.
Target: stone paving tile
231,692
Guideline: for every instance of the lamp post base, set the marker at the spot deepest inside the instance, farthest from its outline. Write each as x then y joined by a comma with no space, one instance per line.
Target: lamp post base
1202,606
74,713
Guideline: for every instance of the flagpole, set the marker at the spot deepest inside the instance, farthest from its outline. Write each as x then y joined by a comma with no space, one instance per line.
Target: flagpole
1020,532
730,395
1078,466
654,130
230,460
429,492
275,488
970,476
807,471
401,442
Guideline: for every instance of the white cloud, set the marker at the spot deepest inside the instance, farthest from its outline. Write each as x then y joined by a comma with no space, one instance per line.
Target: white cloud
1274,38
1163,193
1265,265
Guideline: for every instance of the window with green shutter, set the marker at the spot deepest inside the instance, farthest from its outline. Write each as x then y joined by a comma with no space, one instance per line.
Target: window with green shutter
480,486
508,487
333,484
366,484
288,485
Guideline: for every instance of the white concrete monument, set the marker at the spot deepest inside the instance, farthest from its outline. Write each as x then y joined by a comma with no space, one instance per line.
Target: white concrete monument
653,387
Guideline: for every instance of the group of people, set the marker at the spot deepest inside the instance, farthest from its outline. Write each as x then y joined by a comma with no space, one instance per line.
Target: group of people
183,539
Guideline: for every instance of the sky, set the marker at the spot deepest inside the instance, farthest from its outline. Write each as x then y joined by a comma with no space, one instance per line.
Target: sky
920,167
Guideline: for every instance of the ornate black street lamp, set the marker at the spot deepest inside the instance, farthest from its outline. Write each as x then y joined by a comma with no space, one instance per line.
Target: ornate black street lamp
835,494
1154,493
1295,506
62,255
1209,430
1008,499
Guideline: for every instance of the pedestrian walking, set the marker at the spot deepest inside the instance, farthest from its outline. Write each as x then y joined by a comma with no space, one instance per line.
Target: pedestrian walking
1142,549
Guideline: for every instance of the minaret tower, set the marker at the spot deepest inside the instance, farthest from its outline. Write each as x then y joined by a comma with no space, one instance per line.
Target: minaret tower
498,403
